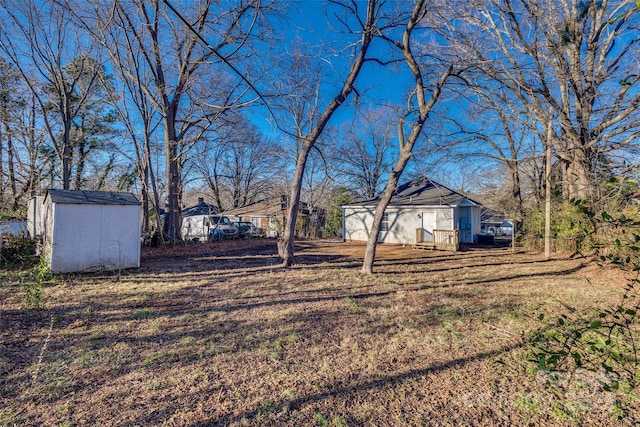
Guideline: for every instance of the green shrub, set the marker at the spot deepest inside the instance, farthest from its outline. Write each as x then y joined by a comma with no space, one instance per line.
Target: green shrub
18,251
603,339
568,221
33,286
19,215
334,220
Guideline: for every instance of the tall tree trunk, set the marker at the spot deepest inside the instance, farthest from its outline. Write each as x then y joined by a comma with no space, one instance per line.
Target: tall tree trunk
11,170
154,183
578,175
67,157
173,182
516,192
1,171
372,242
286,245
145,199
406,144
80,165
547,199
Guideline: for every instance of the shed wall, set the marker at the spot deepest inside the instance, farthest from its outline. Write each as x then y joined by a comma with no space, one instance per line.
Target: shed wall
35,217
94,236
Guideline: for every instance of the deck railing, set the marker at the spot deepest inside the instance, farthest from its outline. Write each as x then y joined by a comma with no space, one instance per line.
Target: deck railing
442,239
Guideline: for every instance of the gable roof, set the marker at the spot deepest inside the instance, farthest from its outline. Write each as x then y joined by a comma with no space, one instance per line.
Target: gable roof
490,216
421,191
85,197
263,208
202,208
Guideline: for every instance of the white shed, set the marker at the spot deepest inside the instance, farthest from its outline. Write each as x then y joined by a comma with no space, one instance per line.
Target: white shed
89,230
420,204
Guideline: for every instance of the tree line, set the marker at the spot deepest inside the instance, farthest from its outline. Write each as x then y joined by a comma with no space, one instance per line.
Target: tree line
161,98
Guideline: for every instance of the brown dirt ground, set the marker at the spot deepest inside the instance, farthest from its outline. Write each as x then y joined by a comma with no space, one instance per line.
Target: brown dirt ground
218,334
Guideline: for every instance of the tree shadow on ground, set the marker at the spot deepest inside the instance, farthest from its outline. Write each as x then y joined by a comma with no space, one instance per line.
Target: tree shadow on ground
344,391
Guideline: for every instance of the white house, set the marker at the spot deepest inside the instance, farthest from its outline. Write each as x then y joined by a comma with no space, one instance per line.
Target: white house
88,230
421,205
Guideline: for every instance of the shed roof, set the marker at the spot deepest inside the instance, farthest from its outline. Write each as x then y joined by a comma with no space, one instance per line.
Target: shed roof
84,197
421,191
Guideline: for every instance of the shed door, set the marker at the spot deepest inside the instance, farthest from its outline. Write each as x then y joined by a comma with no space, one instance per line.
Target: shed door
428,225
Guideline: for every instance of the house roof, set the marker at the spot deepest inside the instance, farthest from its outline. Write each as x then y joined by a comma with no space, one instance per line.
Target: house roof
265,208
421,191
490,216
202,208
85,197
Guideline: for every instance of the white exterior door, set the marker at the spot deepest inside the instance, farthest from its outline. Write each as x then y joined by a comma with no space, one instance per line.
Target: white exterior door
428,225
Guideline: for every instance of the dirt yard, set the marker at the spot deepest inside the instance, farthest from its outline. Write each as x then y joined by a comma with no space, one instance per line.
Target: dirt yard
217,334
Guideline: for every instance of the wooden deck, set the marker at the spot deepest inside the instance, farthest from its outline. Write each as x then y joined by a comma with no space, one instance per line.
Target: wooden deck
448,240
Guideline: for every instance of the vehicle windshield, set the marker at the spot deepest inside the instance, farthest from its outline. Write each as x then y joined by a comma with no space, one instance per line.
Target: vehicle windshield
220,220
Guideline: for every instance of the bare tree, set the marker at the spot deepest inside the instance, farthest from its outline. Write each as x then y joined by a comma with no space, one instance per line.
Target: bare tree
302,102
10,102
573,58
497,130
421,102
28,146
237,166
173,47
40,41
365,151
139,120
21,139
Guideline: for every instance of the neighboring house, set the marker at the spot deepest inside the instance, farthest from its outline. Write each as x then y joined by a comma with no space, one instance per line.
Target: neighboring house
87,230
417,208
266,214
270,216
495,223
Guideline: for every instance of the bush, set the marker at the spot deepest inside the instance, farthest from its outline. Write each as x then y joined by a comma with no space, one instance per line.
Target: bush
603,339
18,251
334,221
33,288
569,223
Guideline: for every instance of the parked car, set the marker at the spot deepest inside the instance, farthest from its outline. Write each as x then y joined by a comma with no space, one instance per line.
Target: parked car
215,235
217,223
248,229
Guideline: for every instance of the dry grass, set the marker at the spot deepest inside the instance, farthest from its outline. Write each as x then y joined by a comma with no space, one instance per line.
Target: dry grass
218,335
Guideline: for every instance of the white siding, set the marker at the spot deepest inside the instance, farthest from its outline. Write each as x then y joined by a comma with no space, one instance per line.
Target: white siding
35,217
444,218
357,223
402,223
94,237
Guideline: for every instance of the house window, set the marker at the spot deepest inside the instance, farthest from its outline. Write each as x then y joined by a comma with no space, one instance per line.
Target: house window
384,226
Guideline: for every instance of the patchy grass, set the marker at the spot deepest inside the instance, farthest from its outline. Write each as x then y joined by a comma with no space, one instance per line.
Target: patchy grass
217,334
